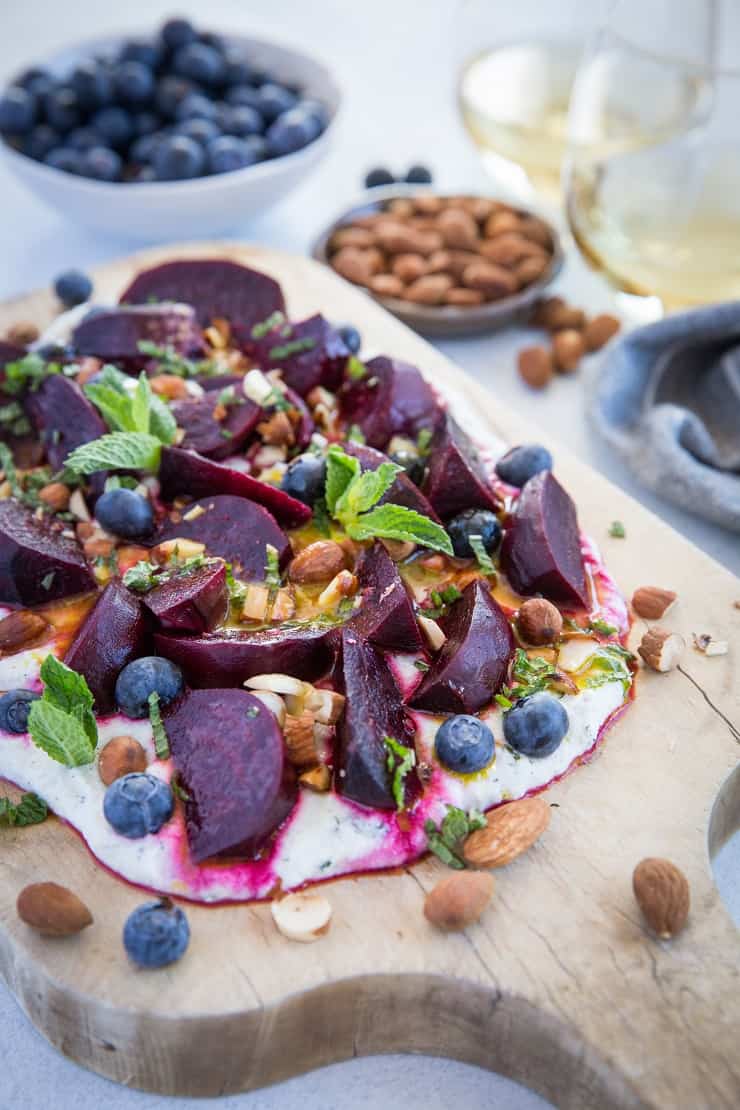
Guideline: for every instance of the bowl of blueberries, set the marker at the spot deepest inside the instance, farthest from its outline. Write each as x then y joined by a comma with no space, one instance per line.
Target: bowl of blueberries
181,132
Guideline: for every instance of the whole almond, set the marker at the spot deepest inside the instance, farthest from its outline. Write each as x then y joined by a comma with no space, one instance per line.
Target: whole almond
510,248
463,298
440,262
20,629
535,229
565,316
403,207
352,237
510,830
480,208
662,893
170,386
458,900
319,562
531,269
431,289
408,267
535,366
456,262
396,237
300,740
353,265
499,223
428,205
121,756
567,350
386,285
539,621
458,229
56,495
493,281
52,910
651,602
599,331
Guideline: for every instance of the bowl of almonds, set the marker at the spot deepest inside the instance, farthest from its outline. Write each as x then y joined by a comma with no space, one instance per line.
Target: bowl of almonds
444,264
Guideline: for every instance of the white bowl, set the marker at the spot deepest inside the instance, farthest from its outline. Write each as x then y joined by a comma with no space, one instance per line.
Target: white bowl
183,209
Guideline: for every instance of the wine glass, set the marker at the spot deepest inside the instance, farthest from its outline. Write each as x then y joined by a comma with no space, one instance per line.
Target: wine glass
652,170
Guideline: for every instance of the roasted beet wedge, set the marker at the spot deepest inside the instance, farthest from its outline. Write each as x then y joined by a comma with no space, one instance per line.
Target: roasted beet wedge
391,399
9,352
474,660
386,616
63,417
230,756
233,529
184,472
215,287
192,602
456,479
37,563
210,435
227,658
309,353
373,710
114,632
304,426
403,491
114,335
541,552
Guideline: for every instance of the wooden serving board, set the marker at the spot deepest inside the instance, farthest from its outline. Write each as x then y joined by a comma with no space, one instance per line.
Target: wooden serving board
559,986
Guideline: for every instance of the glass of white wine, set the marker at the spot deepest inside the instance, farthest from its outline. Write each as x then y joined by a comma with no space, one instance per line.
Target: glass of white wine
652,169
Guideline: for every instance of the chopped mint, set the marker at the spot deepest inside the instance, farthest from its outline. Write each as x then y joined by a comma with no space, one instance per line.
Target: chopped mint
610,664
228,397
30,810
272,567
423,441
421,665
617,530
237,590
173,363
484,560
602,627
48,580
356,370
161,742
178,789
292,347
120,481
446,841
321,520
355,434
142,576
13,420
400,760
259,331
503,701
27,373
529,676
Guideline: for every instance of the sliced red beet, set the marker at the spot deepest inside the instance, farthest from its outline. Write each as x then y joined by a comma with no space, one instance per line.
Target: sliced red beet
183,472
386,616
227,658
541,552
229,753
373,710
233,529
63,417
114,632
212,437
305,426
192,602
474,660
403,491
391,399
37,563
9,352
456,479
114,335
215,287
319,360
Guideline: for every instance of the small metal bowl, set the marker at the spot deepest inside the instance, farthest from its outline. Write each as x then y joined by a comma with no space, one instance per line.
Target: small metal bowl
444,320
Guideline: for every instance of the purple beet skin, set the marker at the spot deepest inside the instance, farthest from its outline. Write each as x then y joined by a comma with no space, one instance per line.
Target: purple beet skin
391,399
114,632
473,662
211,437
403,491
192,602
37,563
320,360
233,529
9,352
386,616
372,711
183,472
541,552
227,658
215,288
456,479
63,417
114,335
230,755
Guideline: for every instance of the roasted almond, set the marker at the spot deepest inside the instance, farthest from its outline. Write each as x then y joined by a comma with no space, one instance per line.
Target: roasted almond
353,264
458,229
352,237
662,893
499,223
652,603
408,267
300,740
661,649
430,289
539,621
317,779
386,285
169,386
463,298
52,910
121,756
318,562
458,900
56,495
492,280
599,331
510,830
567,349
304,916
511,248
535,366
21,629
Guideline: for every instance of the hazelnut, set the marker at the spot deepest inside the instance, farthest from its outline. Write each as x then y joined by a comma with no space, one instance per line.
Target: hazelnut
539,621
567,349
535,366
599,331
121,756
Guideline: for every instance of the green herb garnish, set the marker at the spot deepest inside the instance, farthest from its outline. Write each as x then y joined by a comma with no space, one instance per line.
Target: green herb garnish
321,519
173,363
421,665
355,434
62,722
259,331
529,676
27,373
400,760
117,451
272,567
292,347
446,841
277,400
30,810
617,530
423,441
13,420
129,408
602,627
356,370
483,559
610,663
161,742
441,601
178,789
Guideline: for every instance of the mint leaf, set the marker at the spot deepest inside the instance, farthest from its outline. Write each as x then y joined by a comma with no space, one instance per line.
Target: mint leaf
30,810
272,567
610,665
602,627
394,522
447,840
61,735
161,741
423,441
365,490
341,468
483,558
617,530
356,370
142,576
140,404
292,347
113,406
529,676
117,451
162,423
400,760
13,419
260,330
64,687
27,373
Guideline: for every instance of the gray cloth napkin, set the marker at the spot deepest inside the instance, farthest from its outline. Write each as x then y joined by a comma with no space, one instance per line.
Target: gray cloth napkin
668,400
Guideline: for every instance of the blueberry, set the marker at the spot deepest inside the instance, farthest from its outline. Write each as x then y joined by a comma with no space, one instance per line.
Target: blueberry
36,80
73,288
257,147
17,111
464,744
142,175
244,94
62,108
212,38
419,175
101,163
169,93
124,512
316,109
64,158
177,32
411,463
237,70
228,153
178,158
138,804
201,131
142,150
273,100
83,138
14,709
134,83
114,125
195,106
93,85
156,934
146,51
290,132
199,62
41,140
379,176
304,478
536,725
145,123
351,337
520,464
55,352
474,522
243,120
145,676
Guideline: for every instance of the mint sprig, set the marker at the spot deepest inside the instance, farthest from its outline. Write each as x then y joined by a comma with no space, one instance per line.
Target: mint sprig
447,840
30,810
27,373
117,451
485,563
129,408
62,722
399,761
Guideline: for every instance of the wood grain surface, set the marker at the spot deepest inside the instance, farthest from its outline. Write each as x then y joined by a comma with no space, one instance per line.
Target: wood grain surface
559,986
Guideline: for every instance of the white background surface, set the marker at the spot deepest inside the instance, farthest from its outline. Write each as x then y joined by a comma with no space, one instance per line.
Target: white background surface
395,61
